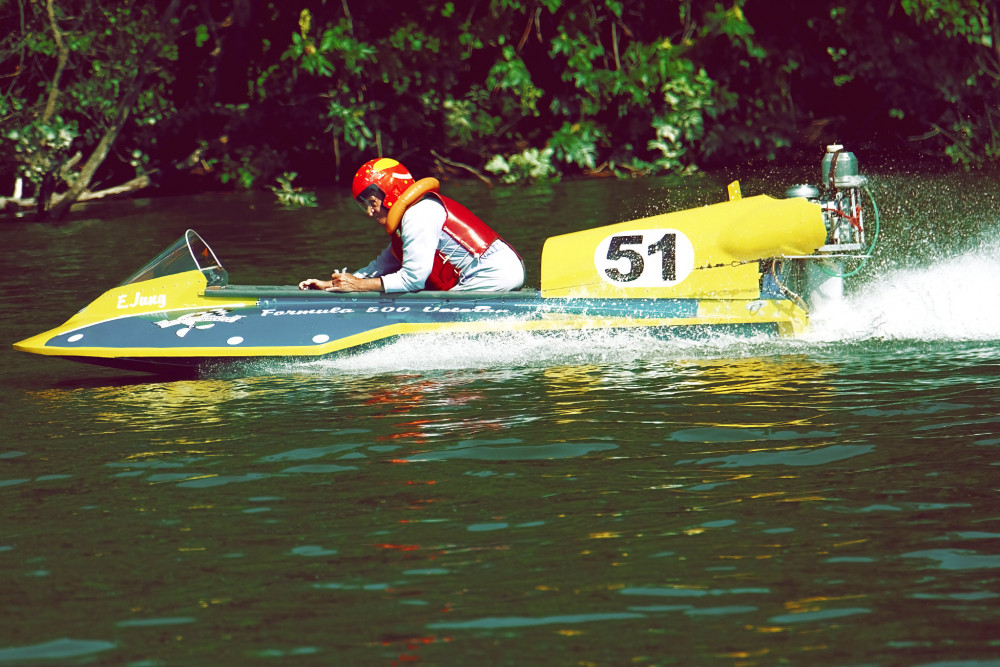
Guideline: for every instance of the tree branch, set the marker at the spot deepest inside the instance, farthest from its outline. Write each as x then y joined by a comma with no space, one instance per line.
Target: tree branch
61,59
460,165
347,14
62,203
137,183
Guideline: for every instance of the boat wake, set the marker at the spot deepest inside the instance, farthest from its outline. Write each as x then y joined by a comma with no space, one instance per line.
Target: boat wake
956,299
527,349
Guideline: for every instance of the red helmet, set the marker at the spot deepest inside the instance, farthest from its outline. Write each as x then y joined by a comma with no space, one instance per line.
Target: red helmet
382,177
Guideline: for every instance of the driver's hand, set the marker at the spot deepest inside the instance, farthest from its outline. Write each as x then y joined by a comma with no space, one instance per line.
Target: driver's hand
313,283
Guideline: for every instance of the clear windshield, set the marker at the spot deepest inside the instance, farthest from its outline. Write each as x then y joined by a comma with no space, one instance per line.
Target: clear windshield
188,253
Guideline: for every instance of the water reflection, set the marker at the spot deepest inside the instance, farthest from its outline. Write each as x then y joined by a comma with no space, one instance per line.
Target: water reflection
150,406
773,376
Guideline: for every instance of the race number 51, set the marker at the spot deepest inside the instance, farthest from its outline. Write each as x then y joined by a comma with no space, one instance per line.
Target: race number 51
645,258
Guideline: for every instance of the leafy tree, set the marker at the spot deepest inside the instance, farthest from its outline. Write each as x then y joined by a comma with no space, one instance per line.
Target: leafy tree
965,77
913,75
591,82
79,78
240,92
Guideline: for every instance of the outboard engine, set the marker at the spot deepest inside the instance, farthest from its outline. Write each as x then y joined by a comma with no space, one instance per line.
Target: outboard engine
839,197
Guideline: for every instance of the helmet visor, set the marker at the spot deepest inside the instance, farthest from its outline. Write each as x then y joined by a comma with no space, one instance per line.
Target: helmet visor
369,192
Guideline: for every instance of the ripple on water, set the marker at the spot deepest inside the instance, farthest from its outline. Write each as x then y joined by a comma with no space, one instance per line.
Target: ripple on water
822,615
57,649
487,452
957,559
497,622
718,434
792,457
156,622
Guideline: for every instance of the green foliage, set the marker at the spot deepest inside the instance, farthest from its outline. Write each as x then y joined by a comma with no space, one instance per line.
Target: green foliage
39,148
577,143
292,197
747,107
97,68
688,94
965,18
531,165
511,82
532,89
469,120
966,78
249,165
351,122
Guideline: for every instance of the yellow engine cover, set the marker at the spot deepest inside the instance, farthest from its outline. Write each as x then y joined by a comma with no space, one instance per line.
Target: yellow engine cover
707,252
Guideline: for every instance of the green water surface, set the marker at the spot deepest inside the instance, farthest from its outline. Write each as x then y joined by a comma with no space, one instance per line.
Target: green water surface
517,500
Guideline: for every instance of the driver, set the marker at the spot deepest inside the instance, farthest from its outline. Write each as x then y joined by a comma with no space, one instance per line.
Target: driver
436,244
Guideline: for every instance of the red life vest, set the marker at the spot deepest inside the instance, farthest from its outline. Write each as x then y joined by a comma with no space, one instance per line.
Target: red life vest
466,229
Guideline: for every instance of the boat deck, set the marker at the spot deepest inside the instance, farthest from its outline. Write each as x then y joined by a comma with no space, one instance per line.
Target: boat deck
293,292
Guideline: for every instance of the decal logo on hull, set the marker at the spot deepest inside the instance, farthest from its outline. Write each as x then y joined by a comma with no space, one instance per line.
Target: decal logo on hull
159,300
460,309
203,320
336,310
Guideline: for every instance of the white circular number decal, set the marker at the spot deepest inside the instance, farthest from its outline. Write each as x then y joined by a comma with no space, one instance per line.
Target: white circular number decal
645,258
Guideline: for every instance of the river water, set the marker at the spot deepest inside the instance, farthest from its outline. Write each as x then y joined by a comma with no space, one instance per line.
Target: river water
592,500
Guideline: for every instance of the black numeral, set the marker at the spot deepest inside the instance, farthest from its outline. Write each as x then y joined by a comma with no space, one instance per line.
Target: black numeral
668,246
615,251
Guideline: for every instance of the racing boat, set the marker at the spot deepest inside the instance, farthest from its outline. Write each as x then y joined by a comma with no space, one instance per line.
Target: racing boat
746,266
